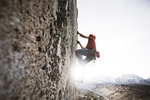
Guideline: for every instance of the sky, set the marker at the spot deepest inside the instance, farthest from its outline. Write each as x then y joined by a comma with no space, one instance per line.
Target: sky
122,29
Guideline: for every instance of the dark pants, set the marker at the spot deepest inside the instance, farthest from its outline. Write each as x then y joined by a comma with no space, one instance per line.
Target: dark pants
88,53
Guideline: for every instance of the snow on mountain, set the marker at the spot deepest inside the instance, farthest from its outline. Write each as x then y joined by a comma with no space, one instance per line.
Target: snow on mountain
148,79
124,79
131,79
106,80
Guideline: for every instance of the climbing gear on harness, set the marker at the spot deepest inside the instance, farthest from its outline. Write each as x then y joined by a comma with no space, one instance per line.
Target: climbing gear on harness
98,54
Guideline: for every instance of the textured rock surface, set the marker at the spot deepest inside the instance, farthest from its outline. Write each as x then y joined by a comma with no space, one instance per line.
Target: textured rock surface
37,44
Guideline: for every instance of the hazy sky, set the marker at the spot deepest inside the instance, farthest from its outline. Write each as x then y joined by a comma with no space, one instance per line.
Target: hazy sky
122,29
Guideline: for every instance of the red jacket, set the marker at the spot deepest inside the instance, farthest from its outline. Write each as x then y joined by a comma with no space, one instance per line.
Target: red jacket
91,43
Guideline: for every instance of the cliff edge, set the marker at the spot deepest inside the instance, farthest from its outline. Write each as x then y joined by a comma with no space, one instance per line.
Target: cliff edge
37,41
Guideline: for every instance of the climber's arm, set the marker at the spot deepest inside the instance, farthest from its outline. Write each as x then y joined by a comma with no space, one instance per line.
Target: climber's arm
80,44
82,35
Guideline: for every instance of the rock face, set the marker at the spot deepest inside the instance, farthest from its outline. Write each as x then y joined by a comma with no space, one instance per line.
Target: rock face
37,41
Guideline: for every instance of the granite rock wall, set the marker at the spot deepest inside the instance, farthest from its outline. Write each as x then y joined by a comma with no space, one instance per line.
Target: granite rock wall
37,45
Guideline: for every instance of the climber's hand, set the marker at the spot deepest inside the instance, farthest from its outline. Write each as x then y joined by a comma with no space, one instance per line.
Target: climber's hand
78,33
80,44
82,35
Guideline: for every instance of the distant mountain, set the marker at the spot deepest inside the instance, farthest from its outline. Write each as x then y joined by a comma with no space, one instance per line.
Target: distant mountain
124,79
148,79
125,87
131,79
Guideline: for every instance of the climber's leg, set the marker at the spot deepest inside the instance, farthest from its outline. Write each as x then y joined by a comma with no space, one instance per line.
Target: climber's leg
80,53
87,59
90,56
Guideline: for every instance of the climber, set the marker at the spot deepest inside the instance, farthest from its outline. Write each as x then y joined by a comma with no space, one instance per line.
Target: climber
89,51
